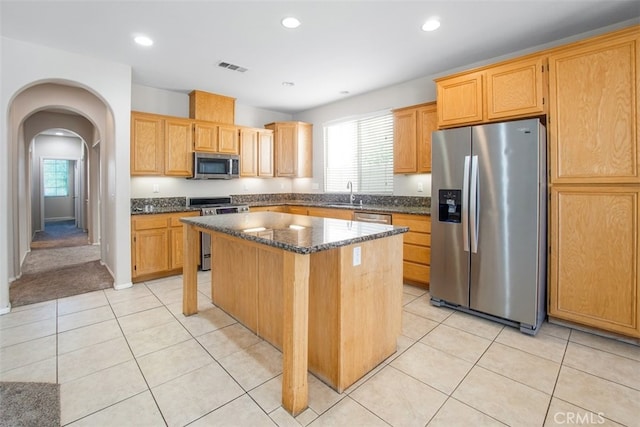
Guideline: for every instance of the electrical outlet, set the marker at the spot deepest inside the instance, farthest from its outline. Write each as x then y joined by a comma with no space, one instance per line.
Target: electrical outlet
156,188
357,256
420,187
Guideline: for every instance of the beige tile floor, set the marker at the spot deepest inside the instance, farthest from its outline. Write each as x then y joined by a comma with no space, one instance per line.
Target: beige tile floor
130,357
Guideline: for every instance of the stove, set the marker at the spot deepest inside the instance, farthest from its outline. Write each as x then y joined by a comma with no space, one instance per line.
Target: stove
216,205
212,206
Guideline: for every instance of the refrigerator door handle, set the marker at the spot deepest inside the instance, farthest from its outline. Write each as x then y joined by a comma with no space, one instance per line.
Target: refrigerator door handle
474,204
465,204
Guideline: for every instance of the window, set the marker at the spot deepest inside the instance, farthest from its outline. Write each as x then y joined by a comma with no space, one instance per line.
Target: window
55,176
360,151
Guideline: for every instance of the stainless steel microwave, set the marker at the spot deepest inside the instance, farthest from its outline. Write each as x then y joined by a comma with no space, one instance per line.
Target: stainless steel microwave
215,166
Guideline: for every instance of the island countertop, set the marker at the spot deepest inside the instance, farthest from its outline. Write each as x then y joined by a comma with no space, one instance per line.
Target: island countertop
295,233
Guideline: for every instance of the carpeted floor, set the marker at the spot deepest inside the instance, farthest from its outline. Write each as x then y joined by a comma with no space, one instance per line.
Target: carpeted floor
60,270
29,404
59,234
51,259
59,283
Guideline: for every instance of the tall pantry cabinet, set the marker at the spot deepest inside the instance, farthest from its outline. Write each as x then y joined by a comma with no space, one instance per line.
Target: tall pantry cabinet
594,157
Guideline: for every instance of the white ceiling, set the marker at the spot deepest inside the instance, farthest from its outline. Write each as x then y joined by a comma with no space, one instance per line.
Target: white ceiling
354,46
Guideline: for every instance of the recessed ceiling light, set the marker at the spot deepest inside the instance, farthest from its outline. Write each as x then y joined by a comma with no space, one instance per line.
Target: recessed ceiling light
143,40
431,24
290,22
288,84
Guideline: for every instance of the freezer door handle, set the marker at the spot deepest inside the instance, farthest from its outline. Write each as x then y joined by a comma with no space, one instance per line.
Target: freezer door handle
465,204
474,204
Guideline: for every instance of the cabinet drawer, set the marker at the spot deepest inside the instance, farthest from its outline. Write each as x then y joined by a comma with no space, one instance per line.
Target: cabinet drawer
297,210
420,239
150,223
419,254
419,223
175,219
416,272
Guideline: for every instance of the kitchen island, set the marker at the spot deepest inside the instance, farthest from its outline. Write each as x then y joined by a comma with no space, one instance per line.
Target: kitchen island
327,292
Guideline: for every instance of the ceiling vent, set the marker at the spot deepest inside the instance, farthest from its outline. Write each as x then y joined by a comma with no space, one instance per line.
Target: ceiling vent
231,67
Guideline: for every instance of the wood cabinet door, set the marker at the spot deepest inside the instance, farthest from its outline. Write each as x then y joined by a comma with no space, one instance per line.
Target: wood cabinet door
147,144
515,89
286,150
151,253
205,136
178,160
248,152
265,153
594,271
176,257
228,139
594,120
460,99
304,147
427,122
405,155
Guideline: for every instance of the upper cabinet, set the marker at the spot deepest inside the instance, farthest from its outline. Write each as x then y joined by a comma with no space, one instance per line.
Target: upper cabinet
506,90
412,127
160,145
215,138
256,152
147,144
593,115
293,147
212,107
178,142
459,99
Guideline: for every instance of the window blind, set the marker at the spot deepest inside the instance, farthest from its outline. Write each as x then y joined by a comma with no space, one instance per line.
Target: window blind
360,151
55,177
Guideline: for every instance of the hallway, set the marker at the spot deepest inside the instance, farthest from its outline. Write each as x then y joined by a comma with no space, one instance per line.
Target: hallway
60,264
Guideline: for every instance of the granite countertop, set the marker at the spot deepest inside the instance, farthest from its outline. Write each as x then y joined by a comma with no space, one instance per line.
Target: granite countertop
411,210
163,209
295,233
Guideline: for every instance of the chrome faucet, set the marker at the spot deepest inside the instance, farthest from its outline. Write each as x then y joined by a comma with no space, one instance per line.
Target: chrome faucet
352,198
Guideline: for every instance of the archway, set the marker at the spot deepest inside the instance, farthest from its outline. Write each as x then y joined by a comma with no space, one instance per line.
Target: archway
34,110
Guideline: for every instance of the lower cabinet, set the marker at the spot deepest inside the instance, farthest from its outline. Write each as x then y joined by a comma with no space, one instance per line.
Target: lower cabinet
277,208
595,260
416,248
157,245
297,210
345,214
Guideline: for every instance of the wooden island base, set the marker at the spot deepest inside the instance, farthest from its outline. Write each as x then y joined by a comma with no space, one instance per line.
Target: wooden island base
327,315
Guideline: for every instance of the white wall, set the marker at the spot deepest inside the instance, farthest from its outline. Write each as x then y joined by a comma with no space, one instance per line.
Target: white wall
409,93
159,101
24,65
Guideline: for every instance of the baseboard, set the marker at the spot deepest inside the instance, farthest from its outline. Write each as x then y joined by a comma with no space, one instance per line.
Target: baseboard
5,310
122,286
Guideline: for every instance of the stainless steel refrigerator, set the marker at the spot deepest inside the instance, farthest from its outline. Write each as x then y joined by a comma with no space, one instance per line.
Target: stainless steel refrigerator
488,247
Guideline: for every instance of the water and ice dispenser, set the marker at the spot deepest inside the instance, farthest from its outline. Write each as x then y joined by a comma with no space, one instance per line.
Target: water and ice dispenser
450,206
